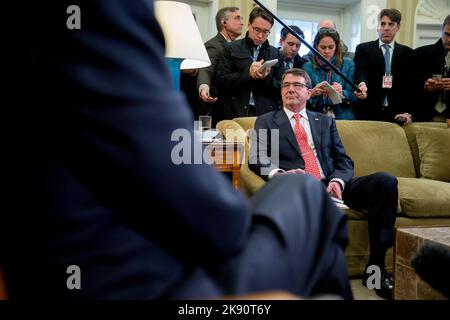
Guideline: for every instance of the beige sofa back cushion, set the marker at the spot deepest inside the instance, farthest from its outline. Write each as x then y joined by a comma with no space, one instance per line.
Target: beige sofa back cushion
434,152
411,132
377,146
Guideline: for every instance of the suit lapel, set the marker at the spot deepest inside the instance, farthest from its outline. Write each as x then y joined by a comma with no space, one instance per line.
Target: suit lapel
379,57
315,124
395,56
282,121
221,39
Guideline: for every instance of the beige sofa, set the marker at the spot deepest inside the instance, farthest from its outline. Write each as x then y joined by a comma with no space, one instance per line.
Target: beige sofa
418,155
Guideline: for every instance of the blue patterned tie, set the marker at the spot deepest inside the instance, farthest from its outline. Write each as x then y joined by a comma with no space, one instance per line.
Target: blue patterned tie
288,63
387,59
387,67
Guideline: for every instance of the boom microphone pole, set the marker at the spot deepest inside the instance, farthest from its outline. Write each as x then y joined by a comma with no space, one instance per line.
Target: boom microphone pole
295,34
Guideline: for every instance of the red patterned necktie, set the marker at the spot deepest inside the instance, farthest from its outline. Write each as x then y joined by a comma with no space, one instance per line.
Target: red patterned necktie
311,166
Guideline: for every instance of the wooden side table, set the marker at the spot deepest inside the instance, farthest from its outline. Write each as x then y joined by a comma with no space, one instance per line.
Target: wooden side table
226,157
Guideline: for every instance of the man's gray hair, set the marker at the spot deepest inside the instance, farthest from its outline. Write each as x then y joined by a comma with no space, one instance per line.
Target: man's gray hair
222,16
446,22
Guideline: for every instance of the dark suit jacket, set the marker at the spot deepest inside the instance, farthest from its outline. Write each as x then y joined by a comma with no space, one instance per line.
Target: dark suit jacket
431,60
234,79
91,180
298,63
208,75
214,47
331,153
369,67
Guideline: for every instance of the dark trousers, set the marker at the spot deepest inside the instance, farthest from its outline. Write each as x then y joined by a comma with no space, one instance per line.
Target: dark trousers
378,194
297,244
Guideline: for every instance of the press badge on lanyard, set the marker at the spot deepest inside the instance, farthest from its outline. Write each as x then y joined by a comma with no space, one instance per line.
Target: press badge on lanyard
387,82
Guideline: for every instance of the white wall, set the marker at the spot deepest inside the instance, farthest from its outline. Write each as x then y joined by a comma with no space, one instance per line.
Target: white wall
352,26
369,18
205,13
430,15
355,22
309,13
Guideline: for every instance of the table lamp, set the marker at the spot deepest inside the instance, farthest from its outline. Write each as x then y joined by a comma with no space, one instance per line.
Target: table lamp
184,44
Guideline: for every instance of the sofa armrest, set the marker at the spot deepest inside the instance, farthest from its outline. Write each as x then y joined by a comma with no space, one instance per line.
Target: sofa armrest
233,131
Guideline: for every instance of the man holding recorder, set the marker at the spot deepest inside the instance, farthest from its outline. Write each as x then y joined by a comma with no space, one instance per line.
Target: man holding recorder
249,89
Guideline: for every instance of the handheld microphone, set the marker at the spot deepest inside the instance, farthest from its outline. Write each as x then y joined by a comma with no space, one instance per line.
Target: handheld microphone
212,92
432,264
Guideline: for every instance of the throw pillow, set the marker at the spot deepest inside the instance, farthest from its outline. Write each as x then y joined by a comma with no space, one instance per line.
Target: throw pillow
434,152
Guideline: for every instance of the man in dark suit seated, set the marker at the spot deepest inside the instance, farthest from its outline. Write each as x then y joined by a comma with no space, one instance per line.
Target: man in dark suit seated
308,143
98,207
434,73
386,67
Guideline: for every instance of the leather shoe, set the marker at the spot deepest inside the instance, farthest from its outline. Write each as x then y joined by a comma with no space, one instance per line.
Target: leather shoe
386,284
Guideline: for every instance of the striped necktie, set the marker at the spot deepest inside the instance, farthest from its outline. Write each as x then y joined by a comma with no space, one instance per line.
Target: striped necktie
311,164
387,67
288,63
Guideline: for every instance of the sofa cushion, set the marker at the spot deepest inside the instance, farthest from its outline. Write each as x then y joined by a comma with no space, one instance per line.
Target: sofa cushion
411,131
441,125
377,146
423,198
434,152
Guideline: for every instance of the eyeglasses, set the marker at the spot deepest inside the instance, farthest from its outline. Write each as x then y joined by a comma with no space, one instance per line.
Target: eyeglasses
322,31
327,31
297,85
258,30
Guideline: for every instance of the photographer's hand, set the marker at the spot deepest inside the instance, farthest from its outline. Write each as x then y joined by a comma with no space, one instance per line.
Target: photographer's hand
407,116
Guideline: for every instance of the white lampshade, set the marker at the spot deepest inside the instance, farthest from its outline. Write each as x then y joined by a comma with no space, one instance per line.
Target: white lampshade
183,39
